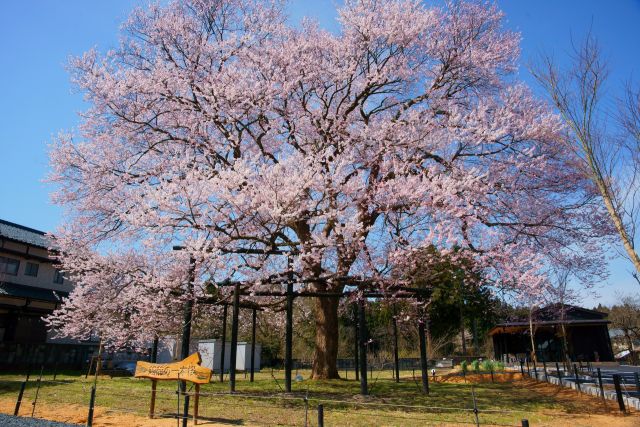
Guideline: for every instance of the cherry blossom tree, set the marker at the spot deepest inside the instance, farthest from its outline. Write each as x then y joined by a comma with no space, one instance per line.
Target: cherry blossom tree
217,126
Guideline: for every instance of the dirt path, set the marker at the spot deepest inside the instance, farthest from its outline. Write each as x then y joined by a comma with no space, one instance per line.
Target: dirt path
76,414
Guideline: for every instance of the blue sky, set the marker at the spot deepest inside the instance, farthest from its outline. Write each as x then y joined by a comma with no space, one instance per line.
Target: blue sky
37,101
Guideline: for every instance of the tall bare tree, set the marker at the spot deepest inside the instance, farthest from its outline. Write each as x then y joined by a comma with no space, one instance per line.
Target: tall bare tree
625,316
607,140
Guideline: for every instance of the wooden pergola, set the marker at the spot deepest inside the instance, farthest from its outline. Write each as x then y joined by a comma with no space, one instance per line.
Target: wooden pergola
362,288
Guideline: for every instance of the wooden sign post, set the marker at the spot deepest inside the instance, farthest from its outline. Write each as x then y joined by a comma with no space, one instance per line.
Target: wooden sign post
188,369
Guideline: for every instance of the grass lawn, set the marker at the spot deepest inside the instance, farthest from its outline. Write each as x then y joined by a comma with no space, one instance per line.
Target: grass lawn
262,402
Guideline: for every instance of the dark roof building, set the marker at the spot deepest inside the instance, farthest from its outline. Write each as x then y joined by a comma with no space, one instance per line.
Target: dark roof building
31,287
582,333
20,233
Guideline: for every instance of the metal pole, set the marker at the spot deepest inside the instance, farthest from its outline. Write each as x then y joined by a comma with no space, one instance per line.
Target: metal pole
185,417
234,338
575,371
224,341
19,401
321,415
253,342
396,359
423,353
544,367
525,423
616,384
288,358
35,400
475,407
92,402
559,373
362,338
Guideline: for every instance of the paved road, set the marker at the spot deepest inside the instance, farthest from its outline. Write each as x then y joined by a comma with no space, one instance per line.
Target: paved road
9,421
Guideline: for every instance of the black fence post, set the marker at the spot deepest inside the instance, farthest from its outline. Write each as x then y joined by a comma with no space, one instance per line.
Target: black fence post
616,384
528,369
254,316
604,400
558,373
525,423
544,367
535,370
321,415
19,401
575,371
92,402
224,340
522,369
362,339
233,351
185,417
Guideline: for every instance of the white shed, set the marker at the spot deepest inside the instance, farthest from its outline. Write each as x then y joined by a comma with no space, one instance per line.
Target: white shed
243,359
211,353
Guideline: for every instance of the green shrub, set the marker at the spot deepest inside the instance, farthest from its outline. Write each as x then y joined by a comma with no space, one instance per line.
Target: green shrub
475,365
464,366
498,366
487,365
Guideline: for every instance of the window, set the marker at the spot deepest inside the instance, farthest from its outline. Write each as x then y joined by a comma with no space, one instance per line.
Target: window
31,269
9,266
57,277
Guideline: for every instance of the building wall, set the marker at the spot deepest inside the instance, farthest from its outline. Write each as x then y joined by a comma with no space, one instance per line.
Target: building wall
25,254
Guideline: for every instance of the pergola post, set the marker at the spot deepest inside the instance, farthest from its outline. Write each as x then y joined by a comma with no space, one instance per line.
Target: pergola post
396,359
154,350
253,342
288,358
362,338
423,353
224,341
234,338
186,325
356,342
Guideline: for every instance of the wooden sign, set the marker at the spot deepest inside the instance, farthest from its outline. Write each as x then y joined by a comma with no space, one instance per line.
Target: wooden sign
188,369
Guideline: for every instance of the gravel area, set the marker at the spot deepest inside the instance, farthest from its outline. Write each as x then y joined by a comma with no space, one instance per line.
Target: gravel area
9,421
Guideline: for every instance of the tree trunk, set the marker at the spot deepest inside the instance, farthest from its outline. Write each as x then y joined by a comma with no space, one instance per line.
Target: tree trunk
634,359
327,337
532,333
